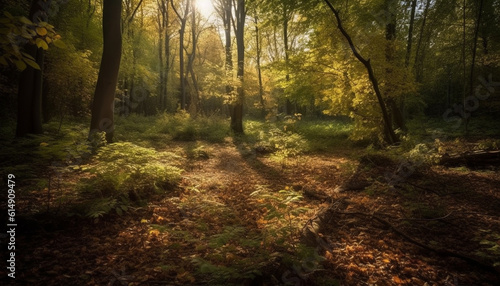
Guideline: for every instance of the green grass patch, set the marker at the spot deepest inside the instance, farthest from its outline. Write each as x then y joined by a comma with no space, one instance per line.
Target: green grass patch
183,127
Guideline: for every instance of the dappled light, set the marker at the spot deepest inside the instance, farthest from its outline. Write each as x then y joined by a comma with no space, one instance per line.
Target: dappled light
243,142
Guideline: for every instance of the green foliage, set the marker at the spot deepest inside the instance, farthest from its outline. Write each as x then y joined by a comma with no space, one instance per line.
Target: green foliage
488,144
71,76
286,144
325,134
490,241
276,139
183,127
195,151
59,147
423,154
293,137
124,173
281,223
221,274
17,31
97,140
229,233
281,219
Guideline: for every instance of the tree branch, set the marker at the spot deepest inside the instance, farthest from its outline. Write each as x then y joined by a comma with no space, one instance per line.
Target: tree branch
392,138
135,11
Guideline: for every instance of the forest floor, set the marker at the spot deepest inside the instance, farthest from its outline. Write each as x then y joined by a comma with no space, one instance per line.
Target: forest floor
355,228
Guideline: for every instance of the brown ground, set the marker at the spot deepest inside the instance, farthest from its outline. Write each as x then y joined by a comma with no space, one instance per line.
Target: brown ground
362,226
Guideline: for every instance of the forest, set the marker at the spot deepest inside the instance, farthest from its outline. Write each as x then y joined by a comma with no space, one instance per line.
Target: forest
250,142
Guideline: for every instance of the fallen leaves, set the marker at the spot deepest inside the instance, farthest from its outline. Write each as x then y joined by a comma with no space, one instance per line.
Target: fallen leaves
214,196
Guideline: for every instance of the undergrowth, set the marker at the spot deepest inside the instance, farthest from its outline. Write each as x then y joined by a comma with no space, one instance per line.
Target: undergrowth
181,126
123,174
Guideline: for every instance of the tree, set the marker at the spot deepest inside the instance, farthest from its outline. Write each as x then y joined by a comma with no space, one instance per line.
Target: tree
194,97
103,103
393,104
474,51
419,56
391,137
163,50
224,10
183,19
239,30
258,51
410,33
29,97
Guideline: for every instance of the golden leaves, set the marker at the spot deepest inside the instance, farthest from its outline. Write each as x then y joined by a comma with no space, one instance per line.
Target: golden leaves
41,31
15,31
41,44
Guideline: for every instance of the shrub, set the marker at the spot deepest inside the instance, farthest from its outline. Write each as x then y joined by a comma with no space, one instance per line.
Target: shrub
183,127
124,173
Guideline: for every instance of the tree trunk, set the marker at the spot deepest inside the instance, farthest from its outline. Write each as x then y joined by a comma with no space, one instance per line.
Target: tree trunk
163,52
168,65
474,48
29,97
288,106
410,33
226,15
195,96
419,56
183,20
237,108
259,70
103,103
391,137
161,87
393,104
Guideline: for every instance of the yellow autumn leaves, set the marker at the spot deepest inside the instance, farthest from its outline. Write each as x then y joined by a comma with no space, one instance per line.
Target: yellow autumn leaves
16,32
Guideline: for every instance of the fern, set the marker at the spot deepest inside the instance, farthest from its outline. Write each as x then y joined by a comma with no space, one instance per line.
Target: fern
123,174
229,233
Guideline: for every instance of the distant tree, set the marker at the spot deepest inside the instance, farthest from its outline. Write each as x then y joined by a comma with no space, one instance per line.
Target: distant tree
103,102
182,19
391,136
163,22
29,97
239,30
224,10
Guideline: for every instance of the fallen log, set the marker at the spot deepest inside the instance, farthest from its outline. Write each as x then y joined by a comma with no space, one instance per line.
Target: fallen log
474,159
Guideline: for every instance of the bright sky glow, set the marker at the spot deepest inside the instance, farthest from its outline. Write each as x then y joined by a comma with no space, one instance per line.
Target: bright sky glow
205,7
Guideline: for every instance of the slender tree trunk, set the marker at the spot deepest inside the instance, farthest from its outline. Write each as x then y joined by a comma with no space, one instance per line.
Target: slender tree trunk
226,19
419,52
29,97
182,19
160,22
193,108
474,49
288,106
393,104
103,103
166,73
237,108
464,61
164,52
391,138
410,33
259,70
161,95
